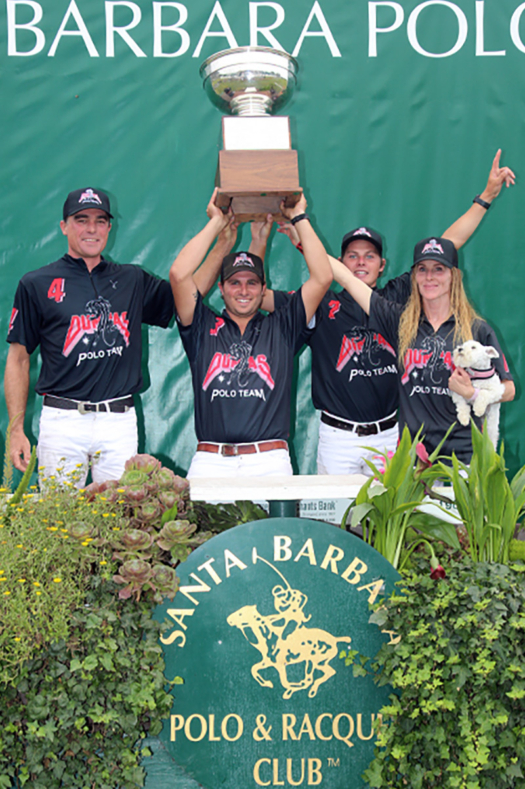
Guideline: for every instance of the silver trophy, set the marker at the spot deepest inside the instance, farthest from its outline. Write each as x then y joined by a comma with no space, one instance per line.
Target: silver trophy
257,166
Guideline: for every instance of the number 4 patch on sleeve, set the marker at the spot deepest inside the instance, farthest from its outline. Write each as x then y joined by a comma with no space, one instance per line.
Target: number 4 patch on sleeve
57,290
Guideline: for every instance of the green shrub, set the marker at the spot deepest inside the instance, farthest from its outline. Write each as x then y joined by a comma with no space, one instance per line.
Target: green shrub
78,710
457,718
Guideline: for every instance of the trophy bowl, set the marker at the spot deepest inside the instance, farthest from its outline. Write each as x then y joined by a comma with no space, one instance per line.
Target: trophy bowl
249,81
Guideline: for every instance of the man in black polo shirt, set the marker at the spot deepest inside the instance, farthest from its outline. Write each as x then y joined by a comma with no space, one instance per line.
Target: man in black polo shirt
242,361
86,314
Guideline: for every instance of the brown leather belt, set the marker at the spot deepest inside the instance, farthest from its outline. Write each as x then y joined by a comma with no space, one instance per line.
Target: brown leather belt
119,406
231,450
357,427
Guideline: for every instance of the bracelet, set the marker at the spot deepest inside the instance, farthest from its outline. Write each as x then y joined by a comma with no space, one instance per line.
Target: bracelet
298,218
482,203
474,396
299,248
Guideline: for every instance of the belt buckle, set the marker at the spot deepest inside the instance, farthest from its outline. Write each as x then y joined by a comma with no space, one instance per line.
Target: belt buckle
366,430
82,408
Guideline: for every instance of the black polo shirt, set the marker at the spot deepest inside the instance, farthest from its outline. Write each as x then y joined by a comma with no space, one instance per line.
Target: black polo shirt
242,383
88,325
354,369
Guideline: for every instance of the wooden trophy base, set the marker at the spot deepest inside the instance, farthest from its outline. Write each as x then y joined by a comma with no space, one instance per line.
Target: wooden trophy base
255,182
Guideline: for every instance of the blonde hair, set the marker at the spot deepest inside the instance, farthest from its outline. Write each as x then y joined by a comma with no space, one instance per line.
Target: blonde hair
460,308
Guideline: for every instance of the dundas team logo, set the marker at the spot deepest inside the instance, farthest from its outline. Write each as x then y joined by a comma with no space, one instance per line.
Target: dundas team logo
237,367
366,346
298,593
98,328
426,363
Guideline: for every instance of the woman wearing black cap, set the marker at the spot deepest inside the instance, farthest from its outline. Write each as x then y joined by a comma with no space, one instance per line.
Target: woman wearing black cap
437,318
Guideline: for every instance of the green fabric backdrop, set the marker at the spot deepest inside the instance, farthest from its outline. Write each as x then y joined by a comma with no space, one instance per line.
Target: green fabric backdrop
387,135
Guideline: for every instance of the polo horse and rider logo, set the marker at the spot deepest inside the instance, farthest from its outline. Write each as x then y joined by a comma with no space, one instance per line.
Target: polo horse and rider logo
284,640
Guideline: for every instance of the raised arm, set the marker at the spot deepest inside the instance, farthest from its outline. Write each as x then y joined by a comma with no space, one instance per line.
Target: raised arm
207,274
16,387
462,229
316,258
260,234
358,289
183,285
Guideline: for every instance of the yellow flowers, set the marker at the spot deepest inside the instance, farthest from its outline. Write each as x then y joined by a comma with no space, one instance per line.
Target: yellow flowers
102,562
22,581
57,580
36,583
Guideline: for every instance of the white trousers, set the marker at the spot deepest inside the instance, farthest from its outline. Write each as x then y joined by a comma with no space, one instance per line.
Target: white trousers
276,462
342,452
70,442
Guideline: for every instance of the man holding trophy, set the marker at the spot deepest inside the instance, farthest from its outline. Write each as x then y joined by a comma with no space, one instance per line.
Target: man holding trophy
242,361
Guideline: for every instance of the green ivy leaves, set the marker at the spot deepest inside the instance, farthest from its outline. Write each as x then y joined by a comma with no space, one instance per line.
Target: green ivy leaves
458,715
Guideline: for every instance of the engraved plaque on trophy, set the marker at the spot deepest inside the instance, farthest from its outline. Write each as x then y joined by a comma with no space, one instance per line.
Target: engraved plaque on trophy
257,166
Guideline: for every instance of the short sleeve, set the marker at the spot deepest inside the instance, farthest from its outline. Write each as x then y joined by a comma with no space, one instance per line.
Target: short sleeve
25,323
398,289
292,319
384,317
158,306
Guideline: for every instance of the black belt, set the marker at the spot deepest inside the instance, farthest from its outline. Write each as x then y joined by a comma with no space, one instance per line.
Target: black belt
119,406
357,427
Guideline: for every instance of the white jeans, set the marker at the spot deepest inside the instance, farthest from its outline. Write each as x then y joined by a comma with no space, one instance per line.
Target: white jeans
72,442
276,462
341,452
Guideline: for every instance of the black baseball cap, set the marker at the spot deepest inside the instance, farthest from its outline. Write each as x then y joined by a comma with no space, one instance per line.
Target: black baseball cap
440,249
365,233
86,198
241,261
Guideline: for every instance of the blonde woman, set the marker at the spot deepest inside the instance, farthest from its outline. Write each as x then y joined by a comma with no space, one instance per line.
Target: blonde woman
437,318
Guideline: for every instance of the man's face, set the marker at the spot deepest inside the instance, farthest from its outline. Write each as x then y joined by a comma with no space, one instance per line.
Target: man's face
364,261
87,233
243,294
